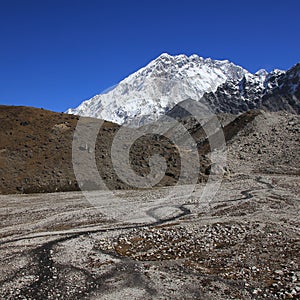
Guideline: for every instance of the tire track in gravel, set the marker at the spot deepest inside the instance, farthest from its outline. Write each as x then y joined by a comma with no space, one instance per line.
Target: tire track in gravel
46,287
185,211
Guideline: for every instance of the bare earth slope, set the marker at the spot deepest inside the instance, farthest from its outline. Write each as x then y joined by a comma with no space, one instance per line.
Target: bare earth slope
36,152
36,148
268,144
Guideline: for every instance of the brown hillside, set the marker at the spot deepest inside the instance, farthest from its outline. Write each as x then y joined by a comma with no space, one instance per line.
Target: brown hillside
35,150
36,153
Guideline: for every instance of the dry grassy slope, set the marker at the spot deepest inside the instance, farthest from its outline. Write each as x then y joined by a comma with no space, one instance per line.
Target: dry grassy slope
36,149
36,152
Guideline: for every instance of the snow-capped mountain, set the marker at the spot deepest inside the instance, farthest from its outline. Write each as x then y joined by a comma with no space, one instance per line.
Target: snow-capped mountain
285,94
158,87
277,90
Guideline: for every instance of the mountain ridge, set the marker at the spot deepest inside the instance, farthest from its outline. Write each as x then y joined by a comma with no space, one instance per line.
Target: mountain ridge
157,88
279,91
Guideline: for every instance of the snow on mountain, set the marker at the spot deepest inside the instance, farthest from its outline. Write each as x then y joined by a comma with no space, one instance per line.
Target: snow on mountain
158,87
274,91
285,94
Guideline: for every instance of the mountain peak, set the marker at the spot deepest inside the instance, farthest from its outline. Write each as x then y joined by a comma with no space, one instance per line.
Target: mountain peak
160,85
164,55
167,80
262,72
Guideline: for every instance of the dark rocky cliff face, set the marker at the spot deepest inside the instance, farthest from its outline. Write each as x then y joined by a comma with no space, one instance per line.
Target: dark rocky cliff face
279,91
286,95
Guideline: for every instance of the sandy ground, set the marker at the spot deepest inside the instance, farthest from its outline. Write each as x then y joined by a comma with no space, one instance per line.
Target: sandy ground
244,244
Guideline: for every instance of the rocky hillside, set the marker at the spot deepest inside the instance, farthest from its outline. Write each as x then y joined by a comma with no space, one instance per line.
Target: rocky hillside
154,91
273,92
36,153
268,144
36,149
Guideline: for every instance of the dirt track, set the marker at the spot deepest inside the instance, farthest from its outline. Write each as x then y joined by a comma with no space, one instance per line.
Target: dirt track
244,245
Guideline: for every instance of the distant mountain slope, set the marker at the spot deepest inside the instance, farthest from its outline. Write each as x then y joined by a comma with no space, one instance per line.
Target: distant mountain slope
275,91
286,95
155,89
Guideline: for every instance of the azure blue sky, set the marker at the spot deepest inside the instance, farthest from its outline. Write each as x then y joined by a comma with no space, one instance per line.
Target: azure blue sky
56,53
